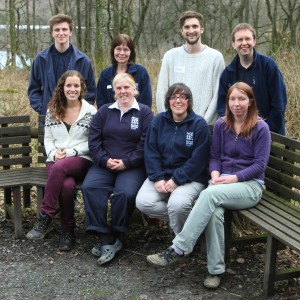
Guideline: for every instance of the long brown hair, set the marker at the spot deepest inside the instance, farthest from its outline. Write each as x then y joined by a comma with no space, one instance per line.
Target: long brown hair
252,114
58,102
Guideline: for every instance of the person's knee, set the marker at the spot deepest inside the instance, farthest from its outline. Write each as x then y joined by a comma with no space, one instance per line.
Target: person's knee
218,215
178,207
69,183
139,202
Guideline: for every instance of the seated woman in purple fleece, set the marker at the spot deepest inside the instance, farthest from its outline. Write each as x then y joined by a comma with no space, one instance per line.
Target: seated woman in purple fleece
240,151
116,143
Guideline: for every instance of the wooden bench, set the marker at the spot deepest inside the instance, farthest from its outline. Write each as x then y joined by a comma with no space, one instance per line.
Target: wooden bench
17,174
20,172
278,213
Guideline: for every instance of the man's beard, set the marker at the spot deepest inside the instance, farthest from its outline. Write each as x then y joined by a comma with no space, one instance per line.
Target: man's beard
193,42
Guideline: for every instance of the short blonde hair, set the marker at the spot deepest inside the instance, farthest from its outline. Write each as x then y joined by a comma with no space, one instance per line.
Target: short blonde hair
130,80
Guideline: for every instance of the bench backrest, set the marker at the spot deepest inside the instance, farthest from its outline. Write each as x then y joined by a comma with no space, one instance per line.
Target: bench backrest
283,171
15,138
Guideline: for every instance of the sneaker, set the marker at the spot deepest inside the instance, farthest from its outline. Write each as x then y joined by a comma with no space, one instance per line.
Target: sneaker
164,258
212,281
66,241
40,228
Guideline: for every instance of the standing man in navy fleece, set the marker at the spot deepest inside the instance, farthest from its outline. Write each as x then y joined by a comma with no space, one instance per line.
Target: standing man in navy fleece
261,73
53,61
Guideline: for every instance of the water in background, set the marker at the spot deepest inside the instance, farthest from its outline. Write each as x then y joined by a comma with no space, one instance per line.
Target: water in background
3,59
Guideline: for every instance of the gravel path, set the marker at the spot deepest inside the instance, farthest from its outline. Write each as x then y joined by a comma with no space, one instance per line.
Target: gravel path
37,270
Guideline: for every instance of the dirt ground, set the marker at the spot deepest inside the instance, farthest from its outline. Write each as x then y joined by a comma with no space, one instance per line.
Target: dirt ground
38,270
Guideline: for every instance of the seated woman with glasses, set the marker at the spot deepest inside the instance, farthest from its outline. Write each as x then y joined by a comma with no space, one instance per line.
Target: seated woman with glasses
176,156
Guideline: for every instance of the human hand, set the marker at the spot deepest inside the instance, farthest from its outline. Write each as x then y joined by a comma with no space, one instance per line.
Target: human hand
160,186
226,179
170,186
59,154
116,164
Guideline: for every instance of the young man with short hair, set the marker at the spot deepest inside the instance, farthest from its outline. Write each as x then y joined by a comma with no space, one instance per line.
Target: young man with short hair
194,64
52,62
261,73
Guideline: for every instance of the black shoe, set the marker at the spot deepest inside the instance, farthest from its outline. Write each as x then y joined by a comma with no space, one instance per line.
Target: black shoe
66,241
40,228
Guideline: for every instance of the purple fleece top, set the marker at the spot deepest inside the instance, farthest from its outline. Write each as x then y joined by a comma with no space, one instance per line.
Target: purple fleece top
246,158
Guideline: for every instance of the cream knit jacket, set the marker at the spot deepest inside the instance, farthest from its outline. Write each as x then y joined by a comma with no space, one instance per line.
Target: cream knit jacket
74,141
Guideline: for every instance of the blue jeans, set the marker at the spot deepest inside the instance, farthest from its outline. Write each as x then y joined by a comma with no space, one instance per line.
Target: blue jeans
208,215
99,184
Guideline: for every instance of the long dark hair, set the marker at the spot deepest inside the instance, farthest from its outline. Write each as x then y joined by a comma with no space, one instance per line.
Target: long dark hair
58,102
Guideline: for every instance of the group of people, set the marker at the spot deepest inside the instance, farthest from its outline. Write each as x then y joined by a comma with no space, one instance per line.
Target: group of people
168,166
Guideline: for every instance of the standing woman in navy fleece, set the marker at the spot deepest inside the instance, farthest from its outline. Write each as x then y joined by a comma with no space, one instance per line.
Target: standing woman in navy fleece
239,155
122,55
116,143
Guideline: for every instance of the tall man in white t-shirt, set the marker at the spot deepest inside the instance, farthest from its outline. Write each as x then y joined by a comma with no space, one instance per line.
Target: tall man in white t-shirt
194,64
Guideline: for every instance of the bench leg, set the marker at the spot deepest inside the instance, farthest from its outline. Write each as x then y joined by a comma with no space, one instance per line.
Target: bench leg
26,196
7,201
17,212
39,198
270,265
228,233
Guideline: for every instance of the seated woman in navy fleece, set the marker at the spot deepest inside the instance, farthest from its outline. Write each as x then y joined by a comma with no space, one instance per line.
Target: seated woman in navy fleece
116,143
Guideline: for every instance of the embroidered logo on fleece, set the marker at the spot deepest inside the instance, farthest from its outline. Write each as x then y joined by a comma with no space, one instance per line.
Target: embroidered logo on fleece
134,123
189,141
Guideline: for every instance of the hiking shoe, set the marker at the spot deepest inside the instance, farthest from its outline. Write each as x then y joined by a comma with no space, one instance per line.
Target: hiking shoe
167,257
66,241
212,281
40,228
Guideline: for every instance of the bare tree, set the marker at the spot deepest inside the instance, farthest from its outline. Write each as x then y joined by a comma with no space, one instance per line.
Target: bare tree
291,9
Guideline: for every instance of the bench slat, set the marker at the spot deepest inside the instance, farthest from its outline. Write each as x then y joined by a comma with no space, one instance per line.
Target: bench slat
13,131
284,219
283,191
279,164
14,119
282,178
285,141
15,140
278,234
282,204
7,162
15,150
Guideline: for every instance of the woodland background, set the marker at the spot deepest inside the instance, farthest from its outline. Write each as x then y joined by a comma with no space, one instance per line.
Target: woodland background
154,27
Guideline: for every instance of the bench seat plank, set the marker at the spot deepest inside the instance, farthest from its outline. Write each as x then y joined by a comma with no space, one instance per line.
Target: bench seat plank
258,219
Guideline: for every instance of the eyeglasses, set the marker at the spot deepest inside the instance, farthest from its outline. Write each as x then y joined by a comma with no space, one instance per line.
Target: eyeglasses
180,97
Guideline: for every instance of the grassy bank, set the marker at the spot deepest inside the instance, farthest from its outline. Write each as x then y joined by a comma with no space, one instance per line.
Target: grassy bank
14,101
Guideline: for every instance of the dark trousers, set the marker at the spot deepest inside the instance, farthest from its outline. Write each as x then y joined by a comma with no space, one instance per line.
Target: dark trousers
98,186
60,186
